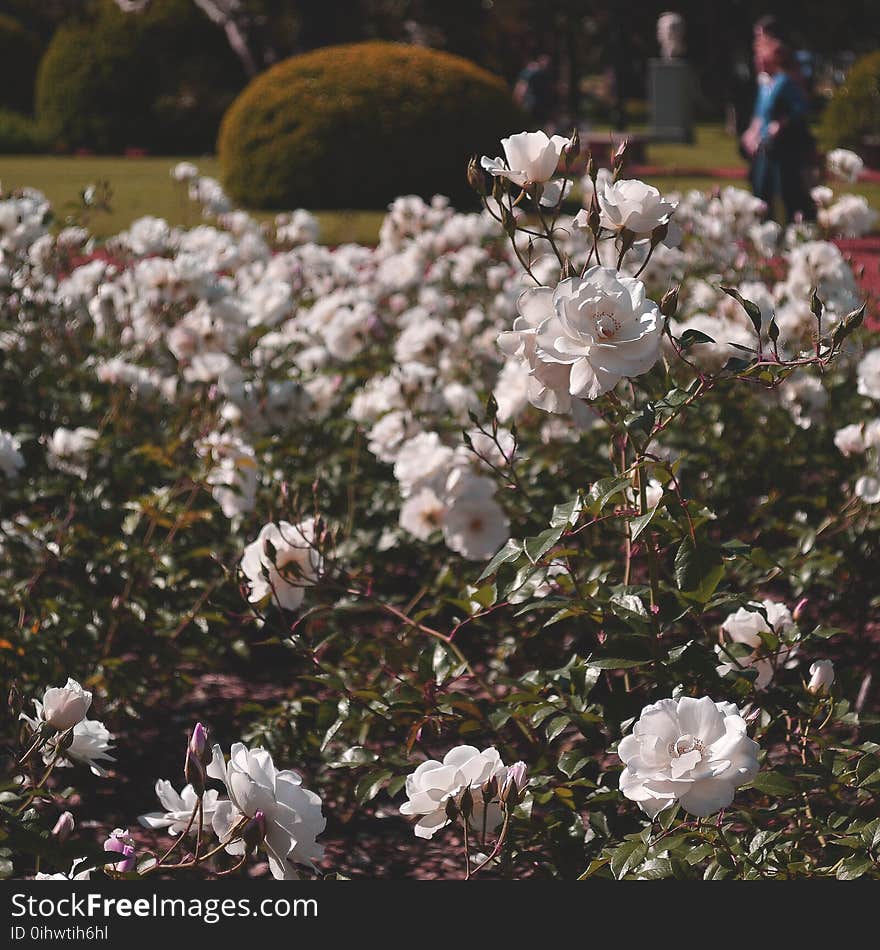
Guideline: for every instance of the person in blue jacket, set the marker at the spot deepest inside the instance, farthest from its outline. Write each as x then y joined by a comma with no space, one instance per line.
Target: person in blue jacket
778,141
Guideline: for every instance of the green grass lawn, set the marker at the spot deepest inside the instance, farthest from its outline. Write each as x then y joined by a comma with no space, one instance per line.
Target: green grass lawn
144,186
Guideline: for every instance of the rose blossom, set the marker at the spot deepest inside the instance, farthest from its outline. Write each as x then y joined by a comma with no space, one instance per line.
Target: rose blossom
433,783
120,841
178,808
292,813
65,706
842,163
821,676
90,740
532,157
11,460
746,626
293,565
583,337
634,206
868,373
691,751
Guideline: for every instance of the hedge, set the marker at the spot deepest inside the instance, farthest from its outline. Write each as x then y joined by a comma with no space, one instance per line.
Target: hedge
159,80
354,126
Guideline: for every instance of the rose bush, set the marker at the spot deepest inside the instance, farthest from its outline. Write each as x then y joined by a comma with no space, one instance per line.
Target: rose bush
498,483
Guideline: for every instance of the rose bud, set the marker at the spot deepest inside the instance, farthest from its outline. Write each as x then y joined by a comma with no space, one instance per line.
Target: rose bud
64,826
490,790
514,783
66,706
122,843
198,756
799,609
466,804
254,832
821,676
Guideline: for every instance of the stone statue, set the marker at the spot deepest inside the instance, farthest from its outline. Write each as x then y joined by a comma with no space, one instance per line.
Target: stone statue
670,35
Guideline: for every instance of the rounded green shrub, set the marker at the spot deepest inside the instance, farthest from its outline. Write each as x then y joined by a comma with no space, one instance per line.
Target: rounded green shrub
853,115
19,55
159,80
354,126
20,134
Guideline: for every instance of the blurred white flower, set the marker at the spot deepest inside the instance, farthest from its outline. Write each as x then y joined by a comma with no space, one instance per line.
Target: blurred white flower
282,562
842,163
67,449
868,373
11,460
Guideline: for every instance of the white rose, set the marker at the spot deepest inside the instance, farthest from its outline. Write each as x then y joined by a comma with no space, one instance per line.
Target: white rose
292,565
474,524
746,626
633,205
691,751
293,814
434,782
178,808
867,488
65,706
821,676
868,373
589,333
850,440
842,163
532,157
11,460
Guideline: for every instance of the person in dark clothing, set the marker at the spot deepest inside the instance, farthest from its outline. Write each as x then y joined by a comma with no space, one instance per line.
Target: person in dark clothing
535,91
778,141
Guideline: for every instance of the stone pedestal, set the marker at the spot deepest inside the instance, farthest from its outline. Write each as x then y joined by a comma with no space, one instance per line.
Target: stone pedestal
671,98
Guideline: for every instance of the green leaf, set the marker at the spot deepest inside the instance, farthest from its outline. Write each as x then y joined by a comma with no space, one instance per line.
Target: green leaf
751,308
638,525
510,552
603,490
556,727
698,570
854,867
571,762
535,548
567,514
773,783
351,758
368,787
628,856
617,663
692,337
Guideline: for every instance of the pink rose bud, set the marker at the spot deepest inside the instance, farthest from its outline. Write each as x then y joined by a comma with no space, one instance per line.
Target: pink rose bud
122,843
799,609
64,826
198,755
821,676
66,706
514,783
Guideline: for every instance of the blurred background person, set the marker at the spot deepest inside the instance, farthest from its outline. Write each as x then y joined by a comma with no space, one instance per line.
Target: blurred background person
778,142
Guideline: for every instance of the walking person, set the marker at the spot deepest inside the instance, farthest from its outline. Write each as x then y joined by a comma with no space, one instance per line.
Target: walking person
778,141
